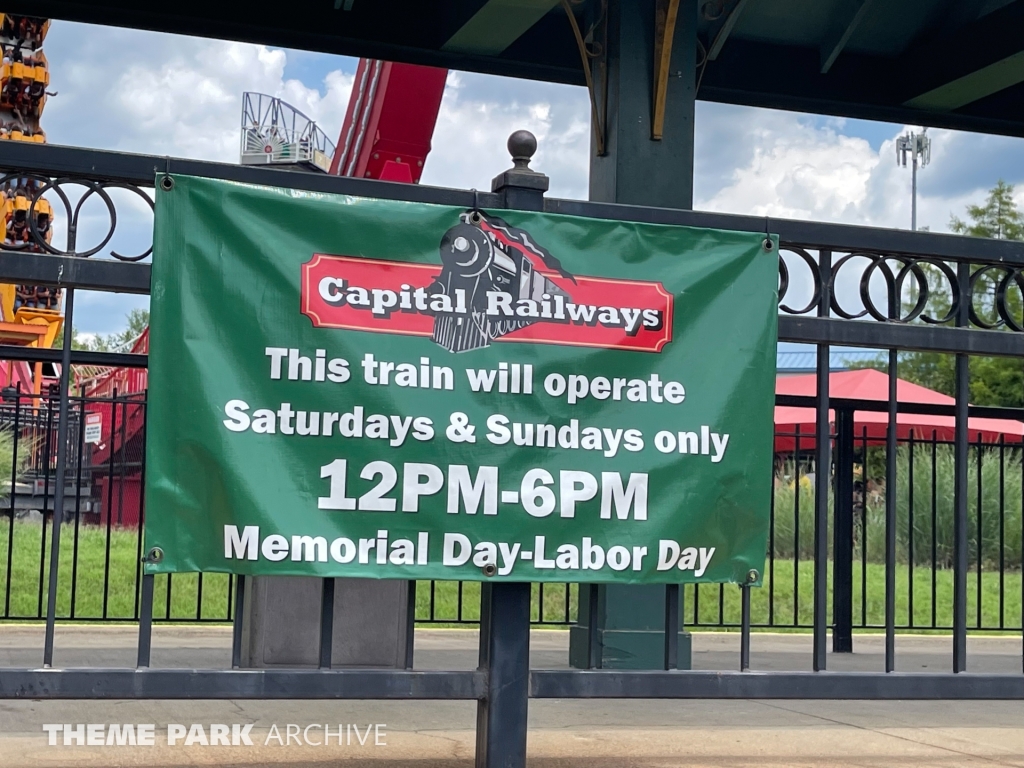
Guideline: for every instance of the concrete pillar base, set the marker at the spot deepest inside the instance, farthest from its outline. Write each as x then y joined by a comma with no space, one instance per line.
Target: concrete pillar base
281,622
626,648
630,624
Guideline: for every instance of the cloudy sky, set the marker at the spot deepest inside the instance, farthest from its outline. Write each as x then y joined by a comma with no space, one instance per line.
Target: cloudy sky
169,95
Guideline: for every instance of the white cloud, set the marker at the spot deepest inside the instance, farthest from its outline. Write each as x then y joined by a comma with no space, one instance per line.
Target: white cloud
166,94
787,165
802,173
478,113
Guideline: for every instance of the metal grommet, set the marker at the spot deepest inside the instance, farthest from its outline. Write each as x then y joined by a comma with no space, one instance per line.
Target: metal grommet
475,217
768,245
490,569
166,183
155,555
752,575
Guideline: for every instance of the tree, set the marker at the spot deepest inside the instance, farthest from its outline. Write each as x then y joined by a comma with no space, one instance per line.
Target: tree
998,218
95,343
137,321
993,380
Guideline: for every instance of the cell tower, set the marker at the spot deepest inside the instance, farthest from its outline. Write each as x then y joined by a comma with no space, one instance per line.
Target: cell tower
30,315
919,147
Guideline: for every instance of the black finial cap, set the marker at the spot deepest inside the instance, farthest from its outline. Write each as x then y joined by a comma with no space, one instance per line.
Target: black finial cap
522,145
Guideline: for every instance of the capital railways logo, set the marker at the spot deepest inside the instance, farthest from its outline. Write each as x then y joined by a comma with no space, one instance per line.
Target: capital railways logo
495,283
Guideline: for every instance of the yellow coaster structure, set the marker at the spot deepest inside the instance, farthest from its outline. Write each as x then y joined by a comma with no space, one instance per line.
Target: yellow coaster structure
30,315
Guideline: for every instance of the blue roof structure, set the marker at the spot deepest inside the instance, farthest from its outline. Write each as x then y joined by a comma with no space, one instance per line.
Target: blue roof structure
807,362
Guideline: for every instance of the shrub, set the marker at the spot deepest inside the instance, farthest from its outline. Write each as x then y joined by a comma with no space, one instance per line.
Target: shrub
1000,494
794,518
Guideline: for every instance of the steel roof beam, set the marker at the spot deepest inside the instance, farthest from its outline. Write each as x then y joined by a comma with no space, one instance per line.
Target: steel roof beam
314,26
718,41
497,25
852,13
764,70
759,74
989,58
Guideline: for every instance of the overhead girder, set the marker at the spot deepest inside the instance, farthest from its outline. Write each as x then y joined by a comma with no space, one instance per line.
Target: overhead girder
498,24
408,31
989,57
720,33
851,13
962,75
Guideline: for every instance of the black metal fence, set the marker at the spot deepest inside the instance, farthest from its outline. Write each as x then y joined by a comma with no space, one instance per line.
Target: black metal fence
839,285
100,574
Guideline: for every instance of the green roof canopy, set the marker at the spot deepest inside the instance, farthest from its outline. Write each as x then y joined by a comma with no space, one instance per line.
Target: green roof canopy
944,63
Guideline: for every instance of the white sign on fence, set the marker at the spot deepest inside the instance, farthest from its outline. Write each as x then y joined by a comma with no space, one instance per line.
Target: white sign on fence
93,427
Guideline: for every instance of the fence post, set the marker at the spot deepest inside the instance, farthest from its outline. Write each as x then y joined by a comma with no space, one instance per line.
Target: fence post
61,469
890,512
145,621
671,625
744,627
505,607
326,622
236,622
505,659
822,469
410,624
962,391
842,566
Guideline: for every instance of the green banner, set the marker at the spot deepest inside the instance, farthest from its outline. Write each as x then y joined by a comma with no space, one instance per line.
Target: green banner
343,386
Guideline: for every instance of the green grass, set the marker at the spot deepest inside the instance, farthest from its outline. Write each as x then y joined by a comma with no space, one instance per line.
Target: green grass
25,585
785,593
787,588
23,589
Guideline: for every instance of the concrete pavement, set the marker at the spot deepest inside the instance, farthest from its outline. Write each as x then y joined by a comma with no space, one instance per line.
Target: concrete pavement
563,733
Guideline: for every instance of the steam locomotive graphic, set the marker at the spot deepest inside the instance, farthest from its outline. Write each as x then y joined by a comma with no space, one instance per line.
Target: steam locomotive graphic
483,254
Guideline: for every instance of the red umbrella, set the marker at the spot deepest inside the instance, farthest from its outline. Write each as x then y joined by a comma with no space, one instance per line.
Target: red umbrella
871,384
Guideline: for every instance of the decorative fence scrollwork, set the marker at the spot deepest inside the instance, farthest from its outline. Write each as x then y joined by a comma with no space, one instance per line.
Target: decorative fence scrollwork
863,284
897,288
30,213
